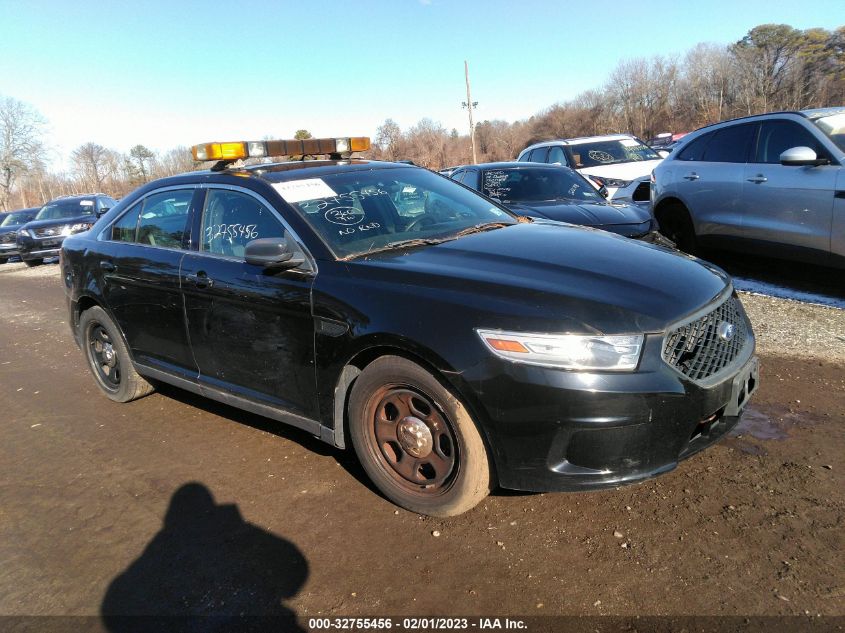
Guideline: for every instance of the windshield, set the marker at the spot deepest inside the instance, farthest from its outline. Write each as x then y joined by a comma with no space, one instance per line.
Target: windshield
623,150
61,209
17,217
834,127
362,211
527,184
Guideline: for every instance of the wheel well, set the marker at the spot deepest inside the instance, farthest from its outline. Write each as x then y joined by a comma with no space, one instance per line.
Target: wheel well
666,205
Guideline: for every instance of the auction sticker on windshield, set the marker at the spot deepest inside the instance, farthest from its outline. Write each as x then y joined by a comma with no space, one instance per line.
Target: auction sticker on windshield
307,189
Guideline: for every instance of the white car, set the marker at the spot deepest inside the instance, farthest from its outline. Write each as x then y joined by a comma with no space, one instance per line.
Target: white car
620,162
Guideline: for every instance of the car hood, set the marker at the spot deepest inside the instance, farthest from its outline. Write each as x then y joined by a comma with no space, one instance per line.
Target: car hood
584,213
545,276
624,171
36,224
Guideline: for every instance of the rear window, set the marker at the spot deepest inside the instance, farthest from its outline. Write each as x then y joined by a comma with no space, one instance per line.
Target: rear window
613,152
730,144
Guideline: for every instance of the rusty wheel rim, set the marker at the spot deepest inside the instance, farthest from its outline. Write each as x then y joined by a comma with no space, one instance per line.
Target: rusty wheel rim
413,440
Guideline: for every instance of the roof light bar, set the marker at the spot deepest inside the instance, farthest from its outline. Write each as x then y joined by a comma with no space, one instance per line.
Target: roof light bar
293,147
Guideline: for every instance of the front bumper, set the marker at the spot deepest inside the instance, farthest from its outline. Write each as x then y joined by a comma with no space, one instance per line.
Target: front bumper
30,248
8,249
552,430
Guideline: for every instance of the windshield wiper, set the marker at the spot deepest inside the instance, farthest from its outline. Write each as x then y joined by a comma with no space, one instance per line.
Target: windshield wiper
417,241
478,228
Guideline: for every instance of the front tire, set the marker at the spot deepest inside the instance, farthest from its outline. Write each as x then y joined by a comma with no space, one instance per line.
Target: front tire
676,225
108,358
416,440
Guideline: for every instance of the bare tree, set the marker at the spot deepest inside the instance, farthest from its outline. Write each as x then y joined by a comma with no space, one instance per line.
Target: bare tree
388,139
21,147
91,162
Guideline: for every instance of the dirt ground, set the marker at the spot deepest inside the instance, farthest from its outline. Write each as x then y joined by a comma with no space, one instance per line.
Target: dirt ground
173,504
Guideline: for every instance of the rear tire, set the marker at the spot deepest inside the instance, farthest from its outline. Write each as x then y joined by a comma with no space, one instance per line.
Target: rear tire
108,358
33,262
416,440
676,225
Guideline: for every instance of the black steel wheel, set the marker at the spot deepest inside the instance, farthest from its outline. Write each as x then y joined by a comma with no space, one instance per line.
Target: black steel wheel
417,441
108,359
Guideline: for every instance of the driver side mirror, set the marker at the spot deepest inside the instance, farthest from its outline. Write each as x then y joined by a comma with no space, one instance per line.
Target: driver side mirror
272,253
801,156
101,212
603,192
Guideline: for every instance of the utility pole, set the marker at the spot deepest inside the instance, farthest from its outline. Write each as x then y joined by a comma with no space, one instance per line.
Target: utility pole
469,104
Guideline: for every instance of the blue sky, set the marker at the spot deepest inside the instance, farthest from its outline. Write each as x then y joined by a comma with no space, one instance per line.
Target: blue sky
178,73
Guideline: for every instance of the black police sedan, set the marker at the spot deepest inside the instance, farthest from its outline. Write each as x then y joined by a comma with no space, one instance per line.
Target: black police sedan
455,345
43,236
9,224
557,193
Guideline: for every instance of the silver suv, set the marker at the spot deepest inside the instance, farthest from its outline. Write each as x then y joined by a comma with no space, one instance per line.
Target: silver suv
772,183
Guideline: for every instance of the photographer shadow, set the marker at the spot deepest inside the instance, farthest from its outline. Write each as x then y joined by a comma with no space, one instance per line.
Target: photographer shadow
207,570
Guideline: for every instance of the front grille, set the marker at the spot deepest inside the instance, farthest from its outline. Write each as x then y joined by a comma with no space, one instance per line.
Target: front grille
50,231
8,238
702,348
643,192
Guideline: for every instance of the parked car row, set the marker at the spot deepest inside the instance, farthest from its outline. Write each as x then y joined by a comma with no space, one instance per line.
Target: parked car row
772,184
36,234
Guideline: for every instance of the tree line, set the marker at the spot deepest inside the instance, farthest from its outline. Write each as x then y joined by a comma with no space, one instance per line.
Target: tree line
773,67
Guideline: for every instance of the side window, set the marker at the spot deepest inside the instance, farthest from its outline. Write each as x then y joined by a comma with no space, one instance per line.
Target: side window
730,144
539,155
458,176
779,135
471,179
524,157
695,150
556,155
231,219
125,228
164,219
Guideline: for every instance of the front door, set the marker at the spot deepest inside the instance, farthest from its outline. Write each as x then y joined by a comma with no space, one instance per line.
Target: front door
251,332
788,207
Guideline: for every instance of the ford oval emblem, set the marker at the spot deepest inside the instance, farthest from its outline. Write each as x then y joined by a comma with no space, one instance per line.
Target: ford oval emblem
726,331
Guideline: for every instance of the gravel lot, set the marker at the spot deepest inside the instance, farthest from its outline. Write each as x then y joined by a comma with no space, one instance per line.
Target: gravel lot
174,504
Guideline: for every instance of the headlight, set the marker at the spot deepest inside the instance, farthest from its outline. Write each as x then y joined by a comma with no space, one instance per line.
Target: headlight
567,351
615,182
76,228
24,233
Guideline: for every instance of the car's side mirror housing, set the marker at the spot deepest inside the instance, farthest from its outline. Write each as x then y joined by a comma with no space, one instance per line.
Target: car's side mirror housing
101,212
603,192
272,253
801,156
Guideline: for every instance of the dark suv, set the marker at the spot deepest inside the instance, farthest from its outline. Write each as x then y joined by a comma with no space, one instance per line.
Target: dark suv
9,224
43,236
455,345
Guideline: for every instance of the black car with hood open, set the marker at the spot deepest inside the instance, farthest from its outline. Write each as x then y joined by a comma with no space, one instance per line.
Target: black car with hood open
454,345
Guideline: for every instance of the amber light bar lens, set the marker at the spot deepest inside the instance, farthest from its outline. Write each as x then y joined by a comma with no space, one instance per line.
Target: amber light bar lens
220,151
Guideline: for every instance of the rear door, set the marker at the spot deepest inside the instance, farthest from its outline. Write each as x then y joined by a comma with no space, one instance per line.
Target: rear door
138,259
784,206
251,332
712,187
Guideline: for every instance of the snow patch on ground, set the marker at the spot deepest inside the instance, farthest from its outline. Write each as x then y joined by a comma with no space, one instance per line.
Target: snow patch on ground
756,287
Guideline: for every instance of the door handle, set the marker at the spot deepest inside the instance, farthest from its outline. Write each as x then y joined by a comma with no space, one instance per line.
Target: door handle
758,179
692,176
107,266
200,280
